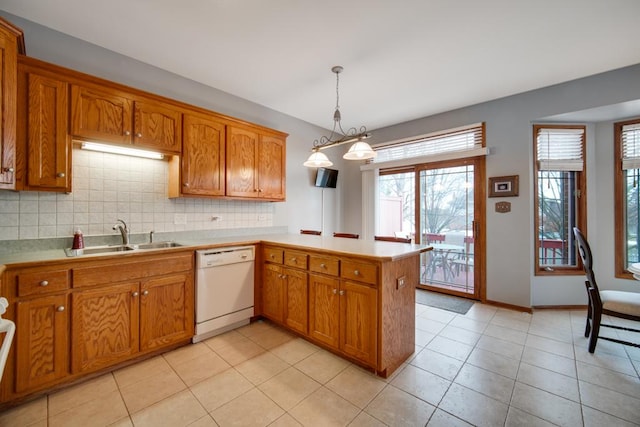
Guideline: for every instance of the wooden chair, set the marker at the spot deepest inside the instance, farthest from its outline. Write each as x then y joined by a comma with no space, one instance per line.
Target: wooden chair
314,232
392,239
347,235
625,305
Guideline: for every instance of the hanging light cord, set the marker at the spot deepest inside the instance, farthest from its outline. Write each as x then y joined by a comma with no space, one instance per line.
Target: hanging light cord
352,134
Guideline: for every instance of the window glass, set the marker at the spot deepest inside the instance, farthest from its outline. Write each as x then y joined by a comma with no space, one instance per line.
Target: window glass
559,195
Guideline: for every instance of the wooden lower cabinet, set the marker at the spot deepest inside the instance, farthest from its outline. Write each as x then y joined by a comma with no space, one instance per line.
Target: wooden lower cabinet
324,309
78,317
42,341
359,321
343,315
284,292
166,316
360,307
105,326
295,299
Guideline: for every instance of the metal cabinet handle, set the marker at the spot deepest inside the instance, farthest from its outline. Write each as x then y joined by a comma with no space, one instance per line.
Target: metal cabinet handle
294,260
323,265
341,292
272,256
356,272
138,135
186,184
60,174
127,132
135,294
8,170
335,291
44,283
145,292
60,308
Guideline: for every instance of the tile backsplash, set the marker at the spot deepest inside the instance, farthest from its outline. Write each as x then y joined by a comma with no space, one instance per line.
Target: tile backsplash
107,187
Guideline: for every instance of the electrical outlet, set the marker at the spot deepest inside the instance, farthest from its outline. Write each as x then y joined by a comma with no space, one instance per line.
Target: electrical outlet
179,218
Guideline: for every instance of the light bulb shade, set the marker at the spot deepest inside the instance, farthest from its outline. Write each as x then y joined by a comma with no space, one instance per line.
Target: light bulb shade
360,151
318,160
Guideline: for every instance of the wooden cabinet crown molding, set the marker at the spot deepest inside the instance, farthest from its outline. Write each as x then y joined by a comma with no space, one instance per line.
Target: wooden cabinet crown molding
100,84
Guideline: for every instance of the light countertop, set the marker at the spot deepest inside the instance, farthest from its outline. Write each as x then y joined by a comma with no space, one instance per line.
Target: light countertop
349,247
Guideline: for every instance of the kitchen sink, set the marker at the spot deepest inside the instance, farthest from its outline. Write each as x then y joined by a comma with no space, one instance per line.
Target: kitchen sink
158,245
98,250
92,250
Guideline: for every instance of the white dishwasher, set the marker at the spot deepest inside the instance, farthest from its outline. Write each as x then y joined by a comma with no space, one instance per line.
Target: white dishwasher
224,289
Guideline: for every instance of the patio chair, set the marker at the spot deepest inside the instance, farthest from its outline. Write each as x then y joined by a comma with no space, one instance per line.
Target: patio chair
621,304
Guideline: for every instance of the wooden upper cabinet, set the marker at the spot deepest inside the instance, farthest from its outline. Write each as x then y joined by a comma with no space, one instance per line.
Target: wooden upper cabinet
48,147
200,171
157,126
105,115
11,43
255,164
242,154
100,115
271,170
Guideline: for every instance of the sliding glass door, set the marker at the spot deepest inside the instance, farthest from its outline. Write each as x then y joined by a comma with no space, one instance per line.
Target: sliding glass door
439,204
446,218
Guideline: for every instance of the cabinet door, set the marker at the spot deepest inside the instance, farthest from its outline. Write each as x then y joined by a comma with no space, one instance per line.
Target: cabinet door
359,321
324,309
8,103
42,342
272,165
242,154
166,311
100,115
157,126
273,293
47,146
104,328
203,157
296,300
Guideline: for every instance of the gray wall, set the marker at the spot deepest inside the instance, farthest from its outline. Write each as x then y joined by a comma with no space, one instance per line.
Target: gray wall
510,237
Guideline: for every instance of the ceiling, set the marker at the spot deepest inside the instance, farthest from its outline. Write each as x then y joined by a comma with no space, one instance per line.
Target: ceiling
402,59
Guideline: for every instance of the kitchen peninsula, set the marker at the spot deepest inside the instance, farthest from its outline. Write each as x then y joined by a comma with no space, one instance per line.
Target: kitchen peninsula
353,297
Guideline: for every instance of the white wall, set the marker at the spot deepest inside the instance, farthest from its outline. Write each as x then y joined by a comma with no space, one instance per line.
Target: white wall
510,237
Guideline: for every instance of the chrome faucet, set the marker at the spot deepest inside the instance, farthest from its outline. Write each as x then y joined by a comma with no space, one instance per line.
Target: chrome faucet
124,231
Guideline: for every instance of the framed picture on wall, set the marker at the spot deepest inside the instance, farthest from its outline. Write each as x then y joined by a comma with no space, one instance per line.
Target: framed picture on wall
503,186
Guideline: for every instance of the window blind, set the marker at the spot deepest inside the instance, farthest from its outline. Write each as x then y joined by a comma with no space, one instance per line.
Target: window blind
458,140
560,149
631,146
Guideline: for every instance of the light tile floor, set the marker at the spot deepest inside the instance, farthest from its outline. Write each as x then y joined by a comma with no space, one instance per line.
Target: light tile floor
490,367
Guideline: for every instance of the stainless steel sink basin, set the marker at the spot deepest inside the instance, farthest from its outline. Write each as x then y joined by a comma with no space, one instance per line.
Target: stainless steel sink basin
98,250
92,250
158,245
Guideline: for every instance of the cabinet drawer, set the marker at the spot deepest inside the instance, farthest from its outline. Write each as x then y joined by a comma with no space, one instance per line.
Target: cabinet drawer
273,255
325,265
360,271
295,259
40,282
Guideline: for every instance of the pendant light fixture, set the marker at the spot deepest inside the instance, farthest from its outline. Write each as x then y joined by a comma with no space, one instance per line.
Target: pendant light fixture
358,151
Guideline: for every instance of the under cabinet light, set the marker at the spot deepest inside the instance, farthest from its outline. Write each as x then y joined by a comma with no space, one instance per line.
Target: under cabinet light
114,149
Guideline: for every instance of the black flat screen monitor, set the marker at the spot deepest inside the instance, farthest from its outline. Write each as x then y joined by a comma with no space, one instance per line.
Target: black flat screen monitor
327,178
